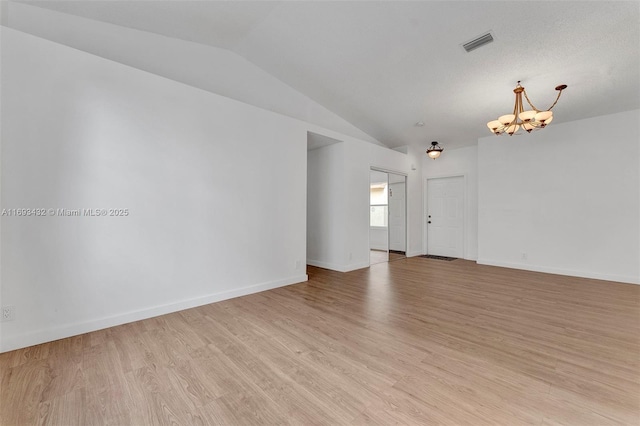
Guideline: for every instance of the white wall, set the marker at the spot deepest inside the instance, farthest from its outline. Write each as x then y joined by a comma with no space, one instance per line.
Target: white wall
378,238
4,6
225,73
216,70
564,200
360,157
459,162
326,189
348,207
194,170
3,16
415,202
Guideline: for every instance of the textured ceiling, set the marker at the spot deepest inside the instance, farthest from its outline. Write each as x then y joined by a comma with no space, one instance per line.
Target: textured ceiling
383,66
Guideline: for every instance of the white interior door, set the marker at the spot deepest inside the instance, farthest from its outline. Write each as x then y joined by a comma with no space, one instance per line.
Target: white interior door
445,218
397,216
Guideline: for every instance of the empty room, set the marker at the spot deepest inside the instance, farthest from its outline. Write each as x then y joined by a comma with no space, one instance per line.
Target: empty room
319,212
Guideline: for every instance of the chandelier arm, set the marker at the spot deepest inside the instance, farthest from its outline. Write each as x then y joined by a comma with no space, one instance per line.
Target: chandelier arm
548,109
529,101
515,111
520,110
554,104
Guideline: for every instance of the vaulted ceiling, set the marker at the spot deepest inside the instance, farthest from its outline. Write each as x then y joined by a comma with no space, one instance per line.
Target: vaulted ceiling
386,65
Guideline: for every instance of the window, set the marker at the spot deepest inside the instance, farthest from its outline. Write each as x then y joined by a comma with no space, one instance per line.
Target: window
379,205
379,216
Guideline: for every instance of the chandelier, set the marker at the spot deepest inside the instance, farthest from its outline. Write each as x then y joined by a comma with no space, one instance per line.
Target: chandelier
521,119
434,150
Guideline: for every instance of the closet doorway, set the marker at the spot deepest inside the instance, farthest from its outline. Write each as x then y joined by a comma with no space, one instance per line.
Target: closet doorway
387,216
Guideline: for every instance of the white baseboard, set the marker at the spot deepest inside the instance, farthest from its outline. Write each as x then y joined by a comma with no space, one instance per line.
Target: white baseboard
60,332
338,267
560,271
325,265
356,266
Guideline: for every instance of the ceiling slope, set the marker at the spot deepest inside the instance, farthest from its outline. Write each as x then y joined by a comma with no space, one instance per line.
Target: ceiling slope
383,66
216,70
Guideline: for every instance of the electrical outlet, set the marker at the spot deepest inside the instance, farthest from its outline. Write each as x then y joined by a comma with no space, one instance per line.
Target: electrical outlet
524,256
298,264
8,313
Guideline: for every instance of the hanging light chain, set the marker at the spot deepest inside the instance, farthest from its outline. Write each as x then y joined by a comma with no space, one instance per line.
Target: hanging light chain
529,101
554,104
559,89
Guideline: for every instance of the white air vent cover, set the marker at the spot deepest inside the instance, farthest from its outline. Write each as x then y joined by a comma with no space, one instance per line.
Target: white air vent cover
478,42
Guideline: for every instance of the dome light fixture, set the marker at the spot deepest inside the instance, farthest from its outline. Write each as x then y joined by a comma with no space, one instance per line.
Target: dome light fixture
434,150
520,119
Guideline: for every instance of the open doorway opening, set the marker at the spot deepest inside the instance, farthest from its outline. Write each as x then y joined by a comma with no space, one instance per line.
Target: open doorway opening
325,186
387,216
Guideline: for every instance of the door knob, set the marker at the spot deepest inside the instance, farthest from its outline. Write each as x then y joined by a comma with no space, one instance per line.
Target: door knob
429,222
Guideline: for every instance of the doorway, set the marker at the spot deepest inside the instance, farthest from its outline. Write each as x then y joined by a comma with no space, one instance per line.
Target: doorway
387,216
444,228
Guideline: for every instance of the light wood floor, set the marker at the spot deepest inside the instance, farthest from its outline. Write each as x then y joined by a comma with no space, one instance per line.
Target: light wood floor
379,256
415,341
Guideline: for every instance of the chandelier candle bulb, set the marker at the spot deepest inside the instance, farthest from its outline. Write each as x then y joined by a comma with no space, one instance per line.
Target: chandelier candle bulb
527,115
520,119
543,116
494,125
507,119
512,129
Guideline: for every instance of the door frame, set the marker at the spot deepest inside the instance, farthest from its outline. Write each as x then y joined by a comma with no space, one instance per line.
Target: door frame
406,203
425,211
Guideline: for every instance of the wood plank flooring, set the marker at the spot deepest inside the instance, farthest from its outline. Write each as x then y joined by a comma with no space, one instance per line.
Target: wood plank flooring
379,256
415,341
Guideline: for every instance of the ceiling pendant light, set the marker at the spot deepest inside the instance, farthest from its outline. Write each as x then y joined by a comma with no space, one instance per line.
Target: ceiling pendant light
434,150
520,119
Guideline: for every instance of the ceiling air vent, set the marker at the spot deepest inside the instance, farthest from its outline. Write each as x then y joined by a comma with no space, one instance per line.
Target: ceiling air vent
478,42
